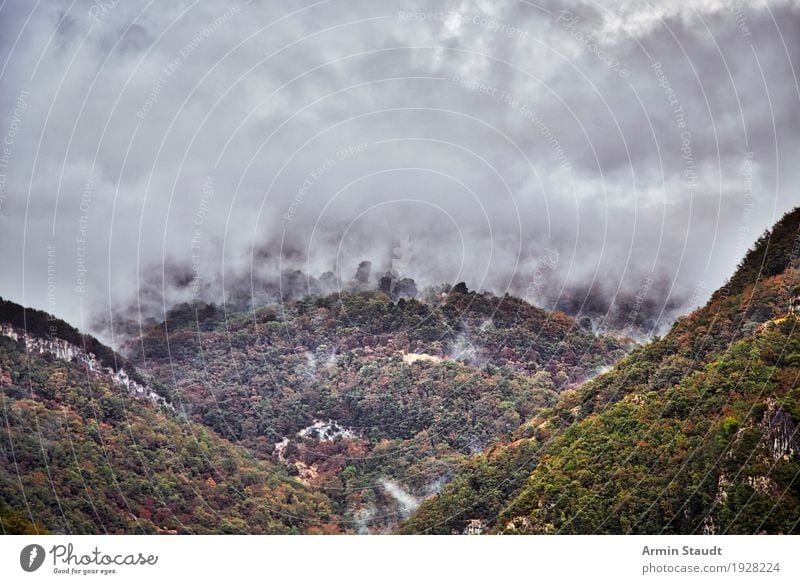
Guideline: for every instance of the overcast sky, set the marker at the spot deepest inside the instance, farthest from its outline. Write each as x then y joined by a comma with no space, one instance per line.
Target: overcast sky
552,149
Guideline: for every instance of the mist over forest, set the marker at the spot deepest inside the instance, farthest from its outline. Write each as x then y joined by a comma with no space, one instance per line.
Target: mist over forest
614,161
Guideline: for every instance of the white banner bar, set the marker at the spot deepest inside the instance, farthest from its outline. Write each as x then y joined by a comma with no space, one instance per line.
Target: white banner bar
343,559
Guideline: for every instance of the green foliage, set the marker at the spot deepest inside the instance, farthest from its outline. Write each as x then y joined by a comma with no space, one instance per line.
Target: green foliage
38,323
492,363
674,439
15,523
83,457
637,468
774,251
498,418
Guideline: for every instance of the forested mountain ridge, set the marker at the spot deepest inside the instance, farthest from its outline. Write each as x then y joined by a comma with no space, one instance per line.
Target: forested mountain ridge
356,412
86,449
37,324
695,432
322,415
371,400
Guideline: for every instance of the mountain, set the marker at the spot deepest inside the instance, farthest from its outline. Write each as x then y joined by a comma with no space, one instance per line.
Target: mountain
370,411
696,432
86,448
327,414
369,398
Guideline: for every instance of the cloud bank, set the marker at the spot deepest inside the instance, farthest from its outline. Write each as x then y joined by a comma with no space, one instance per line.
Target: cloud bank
606,158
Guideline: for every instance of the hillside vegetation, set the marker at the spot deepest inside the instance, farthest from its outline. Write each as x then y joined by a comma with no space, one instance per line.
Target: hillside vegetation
695,432
78,454
372,412
371,401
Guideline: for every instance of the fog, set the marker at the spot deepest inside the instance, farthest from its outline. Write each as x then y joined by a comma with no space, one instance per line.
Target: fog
611,158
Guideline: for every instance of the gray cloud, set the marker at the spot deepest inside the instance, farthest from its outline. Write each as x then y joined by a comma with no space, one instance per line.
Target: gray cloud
531,148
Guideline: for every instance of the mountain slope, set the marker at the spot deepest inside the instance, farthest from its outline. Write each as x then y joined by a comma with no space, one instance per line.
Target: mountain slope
84,449
679,437
372,402
716,453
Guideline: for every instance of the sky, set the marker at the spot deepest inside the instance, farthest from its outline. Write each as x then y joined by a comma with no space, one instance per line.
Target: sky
608,158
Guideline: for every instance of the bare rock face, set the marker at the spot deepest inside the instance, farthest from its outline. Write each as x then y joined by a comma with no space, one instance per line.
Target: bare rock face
66,351
780,431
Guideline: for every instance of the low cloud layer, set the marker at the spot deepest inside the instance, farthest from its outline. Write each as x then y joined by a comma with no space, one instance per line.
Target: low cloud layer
600,157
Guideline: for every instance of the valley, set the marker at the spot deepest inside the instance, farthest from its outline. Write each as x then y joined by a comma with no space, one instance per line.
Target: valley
374,412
